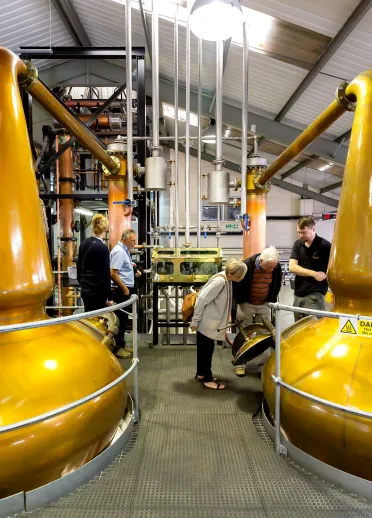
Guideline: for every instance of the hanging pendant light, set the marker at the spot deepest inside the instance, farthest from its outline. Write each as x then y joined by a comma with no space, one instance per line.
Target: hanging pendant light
215,20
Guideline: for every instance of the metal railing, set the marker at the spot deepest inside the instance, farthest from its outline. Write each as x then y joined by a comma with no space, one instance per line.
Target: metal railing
280,383
71,318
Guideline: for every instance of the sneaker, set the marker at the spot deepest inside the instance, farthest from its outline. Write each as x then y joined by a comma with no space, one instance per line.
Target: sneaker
123,353
240,371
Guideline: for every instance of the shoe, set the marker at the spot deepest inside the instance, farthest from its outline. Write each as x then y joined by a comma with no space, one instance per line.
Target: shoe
240,371
123,353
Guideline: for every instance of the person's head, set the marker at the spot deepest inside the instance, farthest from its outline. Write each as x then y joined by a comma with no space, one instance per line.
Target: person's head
100,224
306,229
235,270
269,258
129,238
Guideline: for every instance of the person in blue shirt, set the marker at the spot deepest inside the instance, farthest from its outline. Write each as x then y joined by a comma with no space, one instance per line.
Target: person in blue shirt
122,283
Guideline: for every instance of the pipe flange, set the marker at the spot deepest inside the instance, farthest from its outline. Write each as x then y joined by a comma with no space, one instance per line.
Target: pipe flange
66,239
155,148
259,185
218,162
67,179
106,171
32,75
342,99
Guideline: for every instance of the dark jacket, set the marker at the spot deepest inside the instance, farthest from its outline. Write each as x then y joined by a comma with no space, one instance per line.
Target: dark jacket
242,289
93,267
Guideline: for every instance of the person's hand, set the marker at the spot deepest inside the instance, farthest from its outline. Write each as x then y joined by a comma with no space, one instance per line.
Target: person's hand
319,276
110,303
138,274
193,328
126,291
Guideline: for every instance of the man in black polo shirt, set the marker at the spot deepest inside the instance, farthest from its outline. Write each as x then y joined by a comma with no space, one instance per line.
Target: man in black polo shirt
309,261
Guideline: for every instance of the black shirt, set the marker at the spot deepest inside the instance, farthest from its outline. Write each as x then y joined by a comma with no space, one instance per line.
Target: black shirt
93,267
315,257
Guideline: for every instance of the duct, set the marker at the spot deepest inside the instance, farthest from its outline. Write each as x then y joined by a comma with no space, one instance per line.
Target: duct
199,177
218,180
47,379
176,172
128,70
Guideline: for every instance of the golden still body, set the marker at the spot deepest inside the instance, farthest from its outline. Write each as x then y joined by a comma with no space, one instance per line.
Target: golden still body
317,358
41,369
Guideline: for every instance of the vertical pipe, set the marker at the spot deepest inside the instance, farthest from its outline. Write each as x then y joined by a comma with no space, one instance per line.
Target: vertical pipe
254,240
128,70
135,357
200,90
244,121
59,279
219,79
155,78
119,217
176,200
277,376
187,150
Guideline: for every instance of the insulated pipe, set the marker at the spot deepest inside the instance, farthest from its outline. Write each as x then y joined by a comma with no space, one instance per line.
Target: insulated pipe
176,194
198,185
187,150
244,122
155,78
316,128
219,79
128,63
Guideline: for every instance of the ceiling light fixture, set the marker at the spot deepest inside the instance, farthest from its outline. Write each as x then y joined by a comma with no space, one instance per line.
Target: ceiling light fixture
215,20
209,135
82,210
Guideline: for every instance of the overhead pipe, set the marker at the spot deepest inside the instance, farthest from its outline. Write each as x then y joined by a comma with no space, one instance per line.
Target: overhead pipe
128,63
243,206
155,166
176,171
198,185
218,180
187,150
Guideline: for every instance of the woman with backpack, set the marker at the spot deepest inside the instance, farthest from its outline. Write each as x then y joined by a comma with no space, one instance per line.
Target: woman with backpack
211,314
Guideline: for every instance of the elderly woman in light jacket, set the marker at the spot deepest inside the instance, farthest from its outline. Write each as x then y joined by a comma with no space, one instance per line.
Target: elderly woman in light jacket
211,313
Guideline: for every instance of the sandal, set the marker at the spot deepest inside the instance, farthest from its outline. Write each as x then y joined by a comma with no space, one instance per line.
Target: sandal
218,386
199,378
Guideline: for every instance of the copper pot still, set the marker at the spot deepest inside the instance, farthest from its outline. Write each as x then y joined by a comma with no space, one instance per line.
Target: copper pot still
45,368
317,358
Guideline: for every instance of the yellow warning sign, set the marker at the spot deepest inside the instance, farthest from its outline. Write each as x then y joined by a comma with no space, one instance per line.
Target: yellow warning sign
349,328
365,327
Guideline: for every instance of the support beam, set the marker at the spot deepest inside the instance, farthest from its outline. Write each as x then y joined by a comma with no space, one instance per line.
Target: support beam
72,22
344,32
274,181
344,137
331,187
298,167
272,130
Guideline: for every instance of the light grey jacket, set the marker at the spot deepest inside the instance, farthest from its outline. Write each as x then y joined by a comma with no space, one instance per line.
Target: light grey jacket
213,307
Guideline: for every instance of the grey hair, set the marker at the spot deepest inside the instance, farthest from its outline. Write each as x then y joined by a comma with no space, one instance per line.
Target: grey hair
269,254
235,267
127,233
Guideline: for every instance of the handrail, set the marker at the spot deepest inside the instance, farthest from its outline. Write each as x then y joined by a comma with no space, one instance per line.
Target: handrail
280,383
61,410
69,318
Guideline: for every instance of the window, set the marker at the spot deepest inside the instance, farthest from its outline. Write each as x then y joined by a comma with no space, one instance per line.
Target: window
210,212
233,213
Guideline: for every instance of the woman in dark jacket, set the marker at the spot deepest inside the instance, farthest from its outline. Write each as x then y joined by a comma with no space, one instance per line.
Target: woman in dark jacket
93,267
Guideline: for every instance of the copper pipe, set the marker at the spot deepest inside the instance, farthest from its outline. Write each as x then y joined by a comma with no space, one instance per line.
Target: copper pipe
27,78
67,218
349,271
316,128
59,261
119,215
254,240
103,121
90,103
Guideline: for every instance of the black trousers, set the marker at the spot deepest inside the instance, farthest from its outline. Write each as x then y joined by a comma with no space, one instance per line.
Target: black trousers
204,353
93,300
118,296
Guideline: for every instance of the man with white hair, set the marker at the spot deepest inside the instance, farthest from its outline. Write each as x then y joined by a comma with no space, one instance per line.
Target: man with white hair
261,285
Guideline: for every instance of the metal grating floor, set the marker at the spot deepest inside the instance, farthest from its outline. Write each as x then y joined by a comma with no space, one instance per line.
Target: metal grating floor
197,453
